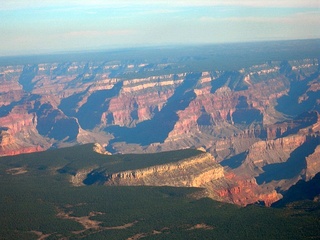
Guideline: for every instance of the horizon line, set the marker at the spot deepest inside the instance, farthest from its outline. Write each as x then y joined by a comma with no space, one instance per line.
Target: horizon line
146,46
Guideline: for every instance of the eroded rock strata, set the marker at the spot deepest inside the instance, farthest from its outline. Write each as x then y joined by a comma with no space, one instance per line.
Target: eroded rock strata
252,120
209,109
201,171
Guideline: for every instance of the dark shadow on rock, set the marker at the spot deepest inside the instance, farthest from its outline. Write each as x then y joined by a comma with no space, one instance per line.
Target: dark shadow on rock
95,177
5,110
292,167
65,128
69,105
235,161
246,114
89,114
26,77
205,118
54,124
158,128
62,69
301,191
289,104
45,118
231,79
302,121
134,114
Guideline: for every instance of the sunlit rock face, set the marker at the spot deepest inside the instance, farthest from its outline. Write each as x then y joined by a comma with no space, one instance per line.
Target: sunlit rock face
194,172
200,171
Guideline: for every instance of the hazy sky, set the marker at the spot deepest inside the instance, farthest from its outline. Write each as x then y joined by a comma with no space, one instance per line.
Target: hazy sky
40,26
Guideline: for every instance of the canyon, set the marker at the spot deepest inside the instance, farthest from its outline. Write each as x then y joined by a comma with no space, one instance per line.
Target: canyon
259,123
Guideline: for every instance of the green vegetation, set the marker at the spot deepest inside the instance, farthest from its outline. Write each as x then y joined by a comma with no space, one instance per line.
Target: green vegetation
79,157
42,200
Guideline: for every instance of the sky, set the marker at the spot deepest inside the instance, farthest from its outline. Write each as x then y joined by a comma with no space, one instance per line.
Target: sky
49,26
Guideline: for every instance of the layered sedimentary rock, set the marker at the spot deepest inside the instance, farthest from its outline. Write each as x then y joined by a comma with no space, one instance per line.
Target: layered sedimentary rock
281,162
313,164
19,134
200,171
241,190
250,119
194,172
225,106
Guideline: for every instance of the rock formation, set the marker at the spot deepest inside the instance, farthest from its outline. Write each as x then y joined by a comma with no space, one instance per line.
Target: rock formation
252,120
194,172
200,171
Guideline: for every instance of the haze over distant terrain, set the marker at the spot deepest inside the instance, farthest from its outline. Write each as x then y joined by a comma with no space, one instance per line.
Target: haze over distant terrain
32,27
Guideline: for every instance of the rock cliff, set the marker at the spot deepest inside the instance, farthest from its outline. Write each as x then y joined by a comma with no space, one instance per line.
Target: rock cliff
193,172
200,171
281,162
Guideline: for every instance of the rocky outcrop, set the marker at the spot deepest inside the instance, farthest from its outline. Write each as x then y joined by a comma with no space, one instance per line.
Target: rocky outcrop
78,178
10,90
267,152
293,135
19,148
200,171
128,109
313,164
18,133
53,123
100,149
294,126
193,172
242,191
280,163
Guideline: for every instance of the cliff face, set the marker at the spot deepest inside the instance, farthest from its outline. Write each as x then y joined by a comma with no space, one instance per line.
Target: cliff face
267,152
10,90
241,190
18,133
281,162
313,164
194,172
200,171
